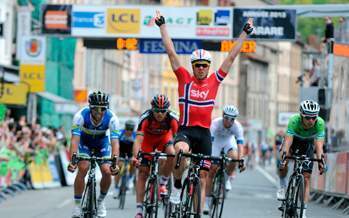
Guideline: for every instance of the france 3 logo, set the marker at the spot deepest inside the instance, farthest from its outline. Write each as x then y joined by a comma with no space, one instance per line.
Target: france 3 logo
205,17
86,19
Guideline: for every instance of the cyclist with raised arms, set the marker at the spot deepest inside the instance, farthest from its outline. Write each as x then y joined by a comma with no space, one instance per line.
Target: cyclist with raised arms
227,135
126,139
89,134
303,132
155,131
197,96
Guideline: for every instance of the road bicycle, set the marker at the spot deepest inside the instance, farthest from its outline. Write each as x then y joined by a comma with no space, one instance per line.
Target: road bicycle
191,189
152,195
218,187
293,204
89,202
124,175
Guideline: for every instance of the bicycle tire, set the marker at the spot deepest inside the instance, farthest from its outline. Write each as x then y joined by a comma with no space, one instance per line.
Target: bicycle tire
151,199
288,202
191,189
122,192
166,203
89,201
299,196
218,195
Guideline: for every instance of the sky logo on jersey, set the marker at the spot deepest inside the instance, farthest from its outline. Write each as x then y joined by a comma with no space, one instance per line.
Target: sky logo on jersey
88,19
222,17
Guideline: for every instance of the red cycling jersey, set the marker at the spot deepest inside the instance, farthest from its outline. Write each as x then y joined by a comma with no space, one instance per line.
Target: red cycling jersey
197,97
156,135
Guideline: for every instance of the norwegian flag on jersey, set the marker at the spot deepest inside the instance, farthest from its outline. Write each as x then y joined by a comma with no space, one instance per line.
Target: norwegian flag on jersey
197,97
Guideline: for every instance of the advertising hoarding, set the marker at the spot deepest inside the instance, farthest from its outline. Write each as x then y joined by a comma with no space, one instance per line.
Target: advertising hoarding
270,24
138,22
56,19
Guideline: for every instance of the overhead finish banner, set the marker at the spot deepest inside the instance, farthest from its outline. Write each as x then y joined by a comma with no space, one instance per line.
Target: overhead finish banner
270,24
138,22
56,19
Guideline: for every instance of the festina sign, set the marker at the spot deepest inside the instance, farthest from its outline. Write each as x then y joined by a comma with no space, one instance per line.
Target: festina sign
155,46
270,24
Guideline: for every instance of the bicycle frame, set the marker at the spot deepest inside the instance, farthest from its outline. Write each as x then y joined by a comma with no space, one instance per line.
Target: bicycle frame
192,184
218,195
151,191
295,188
124,177
89,206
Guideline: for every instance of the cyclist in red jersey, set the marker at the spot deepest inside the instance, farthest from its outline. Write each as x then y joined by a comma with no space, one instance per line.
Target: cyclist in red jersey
197,96
155,132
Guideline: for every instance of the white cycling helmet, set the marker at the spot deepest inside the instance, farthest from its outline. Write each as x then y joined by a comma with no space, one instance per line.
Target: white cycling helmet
200,55
309,108
230,111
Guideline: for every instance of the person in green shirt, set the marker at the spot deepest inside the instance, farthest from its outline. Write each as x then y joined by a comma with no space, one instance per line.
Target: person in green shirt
305,132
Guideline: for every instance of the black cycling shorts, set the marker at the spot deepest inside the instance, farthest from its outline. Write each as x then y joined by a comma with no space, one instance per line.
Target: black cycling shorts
303,147
199,141
125,150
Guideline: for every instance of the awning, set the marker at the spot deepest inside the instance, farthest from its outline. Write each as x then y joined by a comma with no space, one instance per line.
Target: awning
62,105
10,73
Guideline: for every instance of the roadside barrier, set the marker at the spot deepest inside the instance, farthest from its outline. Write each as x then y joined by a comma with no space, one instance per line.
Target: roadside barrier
332,188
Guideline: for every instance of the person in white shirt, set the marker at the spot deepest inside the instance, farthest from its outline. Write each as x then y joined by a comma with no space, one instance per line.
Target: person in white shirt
227,135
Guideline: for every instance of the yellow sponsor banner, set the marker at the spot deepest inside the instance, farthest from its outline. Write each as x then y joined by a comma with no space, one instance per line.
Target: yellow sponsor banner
123,21
14,94
204,17
34,75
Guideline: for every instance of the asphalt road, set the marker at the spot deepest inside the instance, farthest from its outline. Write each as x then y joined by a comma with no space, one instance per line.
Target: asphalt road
252,196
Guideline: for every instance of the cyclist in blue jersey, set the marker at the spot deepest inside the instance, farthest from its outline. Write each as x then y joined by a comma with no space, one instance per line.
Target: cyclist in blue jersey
89,134
126,139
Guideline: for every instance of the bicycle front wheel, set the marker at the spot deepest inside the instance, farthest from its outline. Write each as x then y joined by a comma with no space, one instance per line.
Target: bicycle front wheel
298,199
151,199
122,193
218,195
89,208
191,193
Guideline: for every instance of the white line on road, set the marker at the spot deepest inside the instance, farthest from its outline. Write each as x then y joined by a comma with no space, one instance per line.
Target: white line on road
64,203
267,175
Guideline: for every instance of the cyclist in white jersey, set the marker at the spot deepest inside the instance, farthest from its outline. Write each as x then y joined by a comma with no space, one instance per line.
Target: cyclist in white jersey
228,135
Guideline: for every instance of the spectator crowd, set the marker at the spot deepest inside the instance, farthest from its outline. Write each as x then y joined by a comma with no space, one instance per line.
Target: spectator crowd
22,143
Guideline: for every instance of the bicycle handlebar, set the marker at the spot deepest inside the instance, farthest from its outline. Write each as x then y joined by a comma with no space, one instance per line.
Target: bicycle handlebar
303,158
153,154
203,157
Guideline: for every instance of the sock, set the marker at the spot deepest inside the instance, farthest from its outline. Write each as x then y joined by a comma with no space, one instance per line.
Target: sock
208,200
164,180
77,200
139,208
283,182
231,178
101,197
178,183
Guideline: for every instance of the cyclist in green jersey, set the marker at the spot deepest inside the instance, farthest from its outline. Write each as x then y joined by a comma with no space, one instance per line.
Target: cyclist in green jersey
304,132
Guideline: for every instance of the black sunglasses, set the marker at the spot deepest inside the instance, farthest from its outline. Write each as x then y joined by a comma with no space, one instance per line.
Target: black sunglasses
200,65
309,118
160,110
99,109
231,119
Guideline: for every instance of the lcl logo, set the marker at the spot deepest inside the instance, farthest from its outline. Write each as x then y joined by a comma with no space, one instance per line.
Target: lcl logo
124,18
123,21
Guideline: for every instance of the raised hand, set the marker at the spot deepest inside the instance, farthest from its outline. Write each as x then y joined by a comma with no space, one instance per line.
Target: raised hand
159,19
